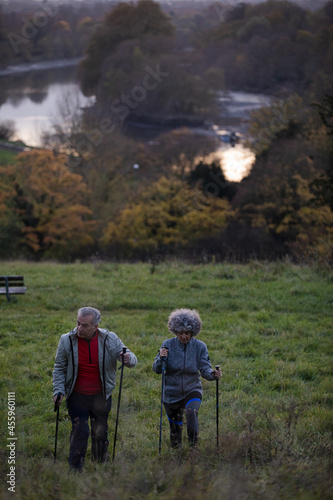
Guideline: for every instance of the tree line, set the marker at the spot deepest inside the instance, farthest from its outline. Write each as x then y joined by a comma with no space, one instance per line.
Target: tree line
42,31
283,207
276,47
97,190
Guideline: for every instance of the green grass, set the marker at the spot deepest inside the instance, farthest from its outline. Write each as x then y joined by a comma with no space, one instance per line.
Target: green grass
7,156
269,326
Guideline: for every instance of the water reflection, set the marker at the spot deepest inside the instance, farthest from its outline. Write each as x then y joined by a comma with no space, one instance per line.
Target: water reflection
239,104
236,162
31,99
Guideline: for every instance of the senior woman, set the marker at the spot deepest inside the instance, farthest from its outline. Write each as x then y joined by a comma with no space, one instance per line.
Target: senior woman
186,359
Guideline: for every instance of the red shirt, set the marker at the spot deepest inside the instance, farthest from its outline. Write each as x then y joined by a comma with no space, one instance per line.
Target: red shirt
88,378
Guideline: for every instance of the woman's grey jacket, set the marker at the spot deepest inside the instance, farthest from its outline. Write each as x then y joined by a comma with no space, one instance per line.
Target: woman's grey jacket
184,365
67,359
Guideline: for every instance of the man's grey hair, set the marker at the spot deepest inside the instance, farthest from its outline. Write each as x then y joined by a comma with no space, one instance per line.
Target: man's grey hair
184,320
86,311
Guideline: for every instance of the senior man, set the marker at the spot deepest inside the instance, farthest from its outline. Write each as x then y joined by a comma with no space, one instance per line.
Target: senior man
85,372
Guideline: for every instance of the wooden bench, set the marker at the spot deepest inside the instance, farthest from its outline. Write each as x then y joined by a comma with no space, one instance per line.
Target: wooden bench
12,285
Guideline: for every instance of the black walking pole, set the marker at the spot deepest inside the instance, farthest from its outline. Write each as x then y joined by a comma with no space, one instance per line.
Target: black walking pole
162,395
217,408
56,408
119,396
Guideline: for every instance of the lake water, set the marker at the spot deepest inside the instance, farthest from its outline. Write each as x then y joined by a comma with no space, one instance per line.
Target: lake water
30,97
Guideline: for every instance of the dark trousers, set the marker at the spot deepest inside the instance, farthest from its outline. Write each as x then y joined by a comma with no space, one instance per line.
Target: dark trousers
81,407
190,405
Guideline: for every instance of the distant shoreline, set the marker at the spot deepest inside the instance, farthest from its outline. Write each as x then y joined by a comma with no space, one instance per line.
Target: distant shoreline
39,66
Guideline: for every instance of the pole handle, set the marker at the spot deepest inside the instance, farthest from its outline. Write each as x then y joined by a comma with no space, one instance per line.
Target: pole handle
56,404
122,359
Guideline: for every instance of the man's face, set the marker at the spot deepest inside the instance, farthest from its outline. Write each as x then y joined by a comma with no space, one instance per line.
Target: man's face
85,326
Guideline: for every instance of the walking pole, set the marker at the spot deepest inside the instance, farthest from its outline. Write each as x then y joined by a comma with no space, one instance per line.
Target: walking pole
56,408
162,395
119,396
217,367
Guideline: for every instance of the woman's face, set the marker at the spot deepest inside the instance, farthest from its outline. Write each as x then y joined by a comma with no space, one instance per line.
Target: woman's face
184,336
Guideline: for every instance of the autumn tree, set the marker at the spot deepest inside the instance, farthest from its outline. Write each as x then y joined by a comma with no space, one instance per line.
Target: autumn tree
178,150
324,182
7,130
137,70
280,195
209,178
125,22
281,118
43,206
168,214
271,45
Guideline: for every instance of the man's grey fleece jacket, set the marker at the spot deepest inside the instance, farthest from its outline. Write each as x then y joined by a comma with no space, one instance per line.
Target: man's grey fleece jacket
67,360
184,365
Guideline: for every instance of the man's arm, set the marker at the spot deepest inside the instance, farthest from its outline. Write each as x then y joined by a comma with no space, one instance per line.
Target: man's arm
60,370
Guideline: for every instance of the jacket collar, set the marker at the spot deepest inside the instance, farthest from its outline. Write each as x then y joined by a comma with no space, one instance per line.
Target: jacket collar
101,332
183,345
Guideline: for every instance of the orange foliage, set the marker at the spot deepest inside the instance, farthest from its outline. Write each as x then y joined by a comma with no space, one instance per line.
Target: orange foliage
167,213
48,202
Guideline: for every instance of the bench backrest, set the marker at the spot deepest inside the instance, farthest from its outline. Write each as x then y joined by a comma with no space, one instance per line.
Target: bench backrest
11,280
10,285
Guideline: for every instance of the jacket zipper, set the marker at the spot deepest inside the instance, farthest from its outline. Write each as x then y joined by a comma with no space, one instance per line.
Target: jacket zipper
103,370
184,369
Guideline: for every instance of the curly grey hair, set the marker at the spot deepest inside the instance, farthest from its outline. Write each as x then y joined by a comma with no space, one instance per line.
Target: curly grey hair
86,311
184,320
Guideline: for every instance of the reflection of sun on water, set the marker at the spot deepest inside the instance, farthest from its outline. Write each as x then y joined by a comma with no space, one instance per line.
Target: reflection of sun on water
30,130
236,161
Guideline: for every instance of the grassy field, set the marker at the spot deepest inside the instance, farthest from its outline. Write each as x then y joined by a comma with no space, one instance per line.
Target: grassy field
269,326
7,156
